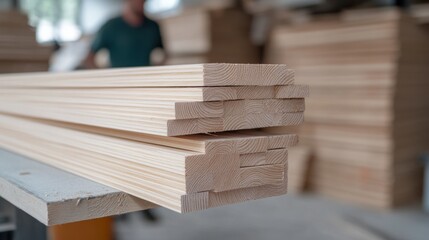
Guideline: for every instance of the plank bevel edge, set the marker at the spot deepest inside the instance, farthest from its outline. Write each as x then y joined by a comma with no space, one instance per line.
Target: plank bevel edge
195,75
53,196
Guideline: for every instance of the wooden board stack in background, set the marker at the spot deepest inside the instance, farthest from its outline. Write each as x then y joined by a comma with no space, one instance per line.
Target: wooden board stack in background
204,35
132,129
19,51
367,118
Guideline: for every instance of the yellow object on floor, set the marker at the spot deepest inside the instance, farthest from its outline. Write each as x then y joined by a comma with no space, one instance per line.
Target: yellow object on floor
97,229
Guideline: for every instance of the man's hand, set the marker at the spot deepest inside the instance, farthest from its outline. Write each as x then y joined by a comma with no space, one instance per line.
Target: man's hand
90,61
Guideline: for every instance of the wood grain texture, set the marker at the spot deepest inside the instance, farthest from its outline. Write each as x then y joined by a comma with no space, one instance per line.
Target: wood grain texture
164,109
271,157
180,175
242,142
165,76
168,94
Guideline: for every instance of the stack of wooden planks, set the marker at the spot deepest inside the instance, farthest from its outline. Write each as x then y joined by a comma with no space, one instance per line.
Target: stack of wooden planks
204,35
19,51
367,118
165,134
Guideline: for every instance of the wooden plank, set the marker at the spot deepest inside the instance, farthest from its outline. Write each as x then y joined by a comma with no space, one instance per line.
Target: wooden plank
156,125
179,94
165,76
53,196
177,182
242,142
167,109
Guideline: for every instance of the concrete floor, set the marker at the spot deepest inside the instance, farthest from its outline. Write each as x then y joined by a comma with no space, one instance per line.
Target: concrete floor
304,217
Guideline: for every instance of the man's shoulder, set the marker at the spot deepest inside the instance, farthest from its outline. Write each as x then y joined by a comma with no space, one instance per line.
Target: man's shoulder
114,22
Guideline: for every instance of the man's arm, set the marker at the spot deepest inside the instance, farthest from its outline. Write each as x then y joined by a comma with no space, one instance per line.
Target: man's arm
160,45
101,41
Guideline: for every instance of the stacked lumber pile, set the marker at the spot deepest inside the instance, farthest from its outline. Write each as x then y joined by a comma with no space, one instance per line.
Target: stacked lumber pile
209,35
367,118
144,130
19,51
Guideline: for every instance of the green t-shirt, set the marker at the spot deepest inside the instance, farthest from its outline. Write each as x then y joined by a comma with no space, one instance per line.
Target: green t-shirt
128,46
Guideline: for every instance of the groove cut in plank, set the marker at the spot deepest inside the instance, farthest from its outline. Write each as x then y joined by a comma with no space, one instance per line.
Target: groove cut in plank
212,74
271,157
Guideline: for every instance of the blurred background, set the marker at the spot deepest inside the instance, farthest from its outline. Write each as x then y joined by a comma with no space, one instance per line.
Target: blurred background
359,171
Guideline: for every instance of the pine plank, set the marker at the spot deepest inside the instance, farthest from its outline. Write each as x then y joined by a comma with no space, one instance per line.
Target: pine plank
196,75
175,182
167,109
156,125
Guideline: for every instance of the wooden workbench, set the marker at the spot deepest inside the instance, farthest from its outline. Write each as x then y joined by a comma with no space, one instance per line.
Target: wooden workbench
56,197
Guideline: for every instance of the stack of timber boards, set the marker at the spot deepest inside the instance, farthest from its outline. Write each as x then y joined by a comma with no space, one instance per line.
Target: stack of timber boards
204,35
143,130
19,51
367,118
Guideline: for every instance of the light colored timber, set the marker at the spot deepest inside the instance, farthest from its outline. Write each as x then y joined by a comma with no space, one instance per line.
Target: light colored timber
157,125
196,75
166,109
237,122
241,142
172,93
53,196
190,202
169,177
292,91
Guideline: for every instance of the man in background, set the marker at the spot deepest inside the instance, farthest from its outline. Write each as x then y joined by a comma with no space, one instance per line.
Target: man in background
129,38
